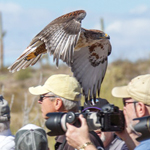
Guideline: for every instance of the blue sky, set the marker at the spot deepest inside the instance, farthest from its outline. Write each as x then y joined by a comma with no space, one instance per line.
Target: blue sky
126,21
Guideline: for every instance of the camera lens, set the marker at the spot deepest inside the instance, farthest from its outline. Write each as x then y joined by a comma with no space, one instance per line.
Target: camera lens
71,117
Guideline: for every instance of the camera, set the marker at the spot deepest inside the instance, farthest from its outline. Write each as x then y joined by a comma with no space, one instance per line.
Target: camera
143,126
109,118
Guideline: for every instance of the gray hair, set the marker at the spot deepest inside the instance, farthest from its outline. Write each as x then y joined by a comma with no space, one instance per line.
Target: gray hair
4,126
69,105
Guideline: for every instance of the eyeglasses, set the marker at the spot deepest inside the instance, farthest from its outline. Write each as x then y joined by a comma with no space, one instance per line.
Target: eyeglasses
124,103
42,96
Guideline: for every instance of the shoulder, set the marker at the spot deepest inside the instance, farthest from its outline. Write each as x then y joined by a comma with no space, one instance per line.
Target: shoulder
144,145
8,143
118,144
124,147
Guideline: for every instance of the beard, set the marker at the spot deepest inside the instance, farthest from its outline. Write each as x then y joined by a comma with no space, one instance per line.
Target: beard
103,137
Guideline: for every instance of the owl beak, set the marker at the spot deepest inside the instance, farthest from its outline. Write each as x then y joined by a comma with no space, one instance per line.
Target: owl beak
106,36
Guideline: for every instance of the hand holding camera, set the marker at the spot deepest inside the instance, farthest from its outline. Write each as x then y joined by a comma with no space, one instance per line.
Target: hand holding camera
109,118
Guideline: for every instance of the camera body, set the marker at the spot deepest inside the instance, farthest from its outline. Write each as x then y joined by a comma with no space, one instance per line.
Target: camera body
109,118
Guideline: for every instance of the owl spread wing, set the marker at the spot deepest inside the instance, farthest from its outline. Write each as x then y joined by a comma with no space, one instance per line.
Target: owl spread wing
89,66
58,38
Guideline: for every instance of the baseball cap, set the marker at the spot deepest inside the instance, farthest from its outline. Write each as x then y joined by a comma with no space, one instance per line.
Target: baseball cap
98,105
4,110
138,89
31,137
61,85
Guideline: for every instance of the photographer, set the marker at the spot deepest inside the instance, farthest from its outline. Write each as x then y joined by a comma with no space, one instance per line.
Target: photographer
60,93
6,137
136,99
110,140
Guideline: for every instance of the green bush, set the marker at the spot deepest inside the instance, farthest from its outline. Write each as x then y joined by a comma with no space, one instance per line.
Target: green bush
23,74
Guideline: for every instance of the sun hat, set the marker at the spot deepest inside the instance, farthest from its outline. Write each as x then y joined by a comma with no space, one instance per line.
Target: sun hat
61,85
31,137
4,110
138,89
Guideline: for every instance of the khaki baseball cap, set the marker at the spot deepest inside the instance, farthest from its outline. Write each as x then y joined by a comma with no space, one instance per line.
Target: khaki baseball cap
138,89
61,85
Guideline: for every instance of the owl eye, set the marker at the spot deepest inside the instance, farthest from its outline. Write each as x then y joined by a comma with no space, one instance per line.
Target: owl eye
100,35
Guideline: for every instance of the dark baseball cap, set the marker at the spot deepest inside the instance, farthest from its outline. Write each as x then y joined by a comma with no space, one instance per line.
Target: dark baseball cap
4,110
31,137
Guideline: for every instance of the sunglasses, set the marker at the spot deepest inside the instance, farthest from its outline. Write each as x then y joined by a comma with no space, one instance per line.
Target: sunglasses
124,103
42,96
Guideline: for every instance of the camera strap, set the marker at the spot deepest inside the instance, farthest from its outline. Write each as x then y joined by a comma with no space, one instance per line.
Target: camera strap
63,144
97,138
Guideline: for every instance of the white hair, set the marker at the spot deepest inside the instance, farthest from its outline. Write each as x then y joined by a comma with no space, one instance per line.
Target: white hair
4,126
69,105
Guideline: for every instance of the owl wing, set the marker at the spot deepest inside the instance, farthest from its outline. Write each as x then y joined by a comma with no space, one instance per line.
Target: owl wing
58,38
89,67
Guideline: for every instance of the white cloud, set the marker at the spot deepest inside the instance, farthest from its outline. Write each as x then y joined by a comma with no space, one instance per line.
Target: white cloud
130,38
10,8
139,9
131,26
115,26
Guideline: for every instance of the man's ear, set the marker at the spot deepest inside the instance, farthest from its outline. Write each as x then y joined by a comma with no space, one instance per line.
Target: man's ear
141,109
58,104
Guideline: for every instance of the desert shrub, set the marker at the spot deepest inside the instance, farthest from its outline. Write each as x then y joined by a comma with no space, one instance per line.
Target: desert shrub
23,74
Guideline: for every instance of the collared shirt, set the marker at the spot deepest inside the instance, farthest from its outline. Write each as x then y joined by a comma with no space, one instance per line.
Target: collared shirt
144,145
7,140
117,144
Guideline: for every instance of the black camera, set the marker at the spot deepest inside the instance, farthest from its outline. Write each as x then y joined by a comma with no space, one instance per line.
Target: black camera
143,126
109,118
